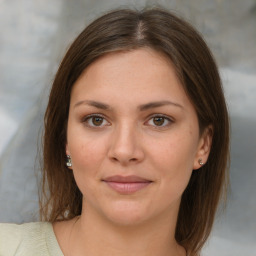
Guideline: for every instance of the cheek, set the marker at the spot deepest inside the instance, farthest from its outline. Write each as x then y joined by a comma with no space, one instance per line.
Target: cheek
87,151
177,150
87,157
86,154
174,159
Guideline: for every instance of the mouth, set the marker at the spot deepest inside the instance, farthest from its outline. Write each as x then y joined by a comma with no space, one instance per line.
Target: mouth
127,184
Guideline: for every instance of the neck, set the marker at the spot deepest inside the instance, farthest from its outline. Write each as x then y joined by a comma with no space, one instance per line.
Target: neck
95,236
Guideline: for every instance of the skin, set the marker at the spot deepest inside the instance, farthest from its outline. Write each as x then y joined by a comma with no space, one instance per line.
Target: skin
160,143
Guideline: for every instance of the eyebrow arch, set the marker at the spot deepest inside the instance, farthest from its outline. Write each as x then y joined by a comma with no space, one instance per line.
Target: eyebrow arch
158,104
143,107
93,103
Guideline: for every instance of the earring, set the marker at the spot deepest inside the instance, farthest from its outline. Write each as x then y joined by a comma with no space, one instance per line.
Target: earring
200,161
68,163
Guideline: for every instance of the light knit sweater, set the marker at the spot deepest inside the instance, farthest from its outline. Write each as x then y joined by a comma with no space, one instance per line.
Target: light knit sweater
30,239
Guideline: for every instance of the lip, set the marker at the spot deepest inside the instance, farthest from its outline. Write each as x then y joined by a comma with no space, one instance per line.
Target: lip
127,184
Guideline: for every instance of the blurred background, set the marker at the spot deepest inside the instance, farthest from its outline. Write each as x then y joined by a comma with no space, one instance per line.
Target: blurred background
34,36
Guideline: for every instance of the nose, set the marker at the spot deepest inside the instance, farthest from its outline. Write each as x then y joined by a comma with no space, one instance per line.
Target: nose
125,147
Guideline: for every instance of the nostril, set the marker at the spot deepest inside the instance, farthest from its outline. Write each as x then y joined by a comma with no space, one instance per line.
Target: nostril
114,159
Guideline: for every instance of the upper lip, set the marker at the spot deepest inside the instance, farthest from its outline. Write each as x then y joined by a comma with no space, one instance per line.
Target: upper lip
125,179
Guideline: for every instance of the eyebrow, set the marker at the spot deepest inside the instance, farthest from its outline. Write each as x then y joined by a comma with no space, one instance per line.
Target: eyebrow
93,103
143,107
158,104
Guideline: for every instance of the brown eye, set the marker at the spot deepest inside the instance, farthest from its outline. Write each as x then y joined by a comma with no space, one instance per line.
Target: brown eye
97,121
158,121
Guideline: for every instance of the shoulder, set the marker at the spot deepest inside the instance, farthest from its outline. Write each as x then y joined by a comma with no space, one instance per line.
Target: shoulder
28,239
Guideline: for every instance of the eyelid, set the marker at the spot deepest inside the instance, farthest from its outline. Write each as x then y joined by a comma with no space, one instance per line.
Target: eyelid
87,117
92,115
84,120
170,119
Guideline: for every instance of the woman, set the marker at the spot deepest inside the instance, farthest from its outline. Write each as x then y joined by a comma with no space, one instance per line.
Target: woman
136,143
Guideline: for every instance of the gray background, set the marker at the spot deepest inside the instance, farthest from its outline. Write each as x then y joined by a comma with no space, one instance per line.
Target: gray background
34,35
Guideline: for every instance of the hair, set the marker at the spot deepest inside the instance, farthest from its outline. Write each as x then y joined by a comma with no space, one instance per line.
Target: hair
164,32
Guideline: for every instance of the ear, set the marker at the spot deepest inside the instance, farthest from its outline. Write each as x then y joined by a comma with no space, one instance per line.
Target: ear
67,150
204,147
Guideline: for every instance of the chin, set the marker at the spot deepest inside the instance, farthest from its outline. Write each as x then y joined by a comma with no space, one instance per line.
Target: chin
127,214
128,220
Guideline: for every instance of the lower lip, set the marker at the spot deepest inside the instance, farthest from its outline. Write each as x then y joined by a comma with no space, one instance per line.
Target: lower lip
127,188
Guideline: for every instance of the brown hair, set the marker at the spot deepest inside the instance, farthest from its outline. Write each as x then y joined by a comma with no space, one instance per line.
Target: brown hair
158,29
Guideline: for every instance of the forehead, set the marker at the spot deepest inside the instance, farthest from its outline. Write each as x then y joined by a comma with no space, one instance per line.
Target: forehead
138,54
138,74
134,64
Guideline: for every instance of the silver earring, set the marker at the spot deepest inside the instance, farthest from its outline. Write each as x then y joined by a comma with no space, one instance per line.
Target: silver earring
200,161
68,163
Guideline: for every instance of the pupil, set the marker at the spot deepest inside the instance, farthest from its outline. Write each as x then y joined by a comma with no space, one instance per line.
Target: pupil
97,121
158,121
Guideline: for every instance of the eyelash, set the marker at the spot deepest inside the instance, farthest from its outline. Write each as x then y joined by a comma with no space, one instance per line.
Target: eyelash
166,118
86,119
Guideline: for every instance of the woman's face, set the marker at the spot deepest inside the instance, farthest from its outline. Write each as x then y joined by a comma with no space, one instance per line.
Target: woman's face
133,137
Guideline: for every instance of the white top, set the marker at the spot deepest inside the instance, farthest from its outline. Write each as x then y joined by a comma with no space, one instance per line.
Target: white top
30,239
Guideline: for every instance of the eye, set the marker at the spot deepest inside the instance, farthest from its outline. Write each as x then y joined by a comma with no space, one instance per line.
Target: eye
159,121
95,121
